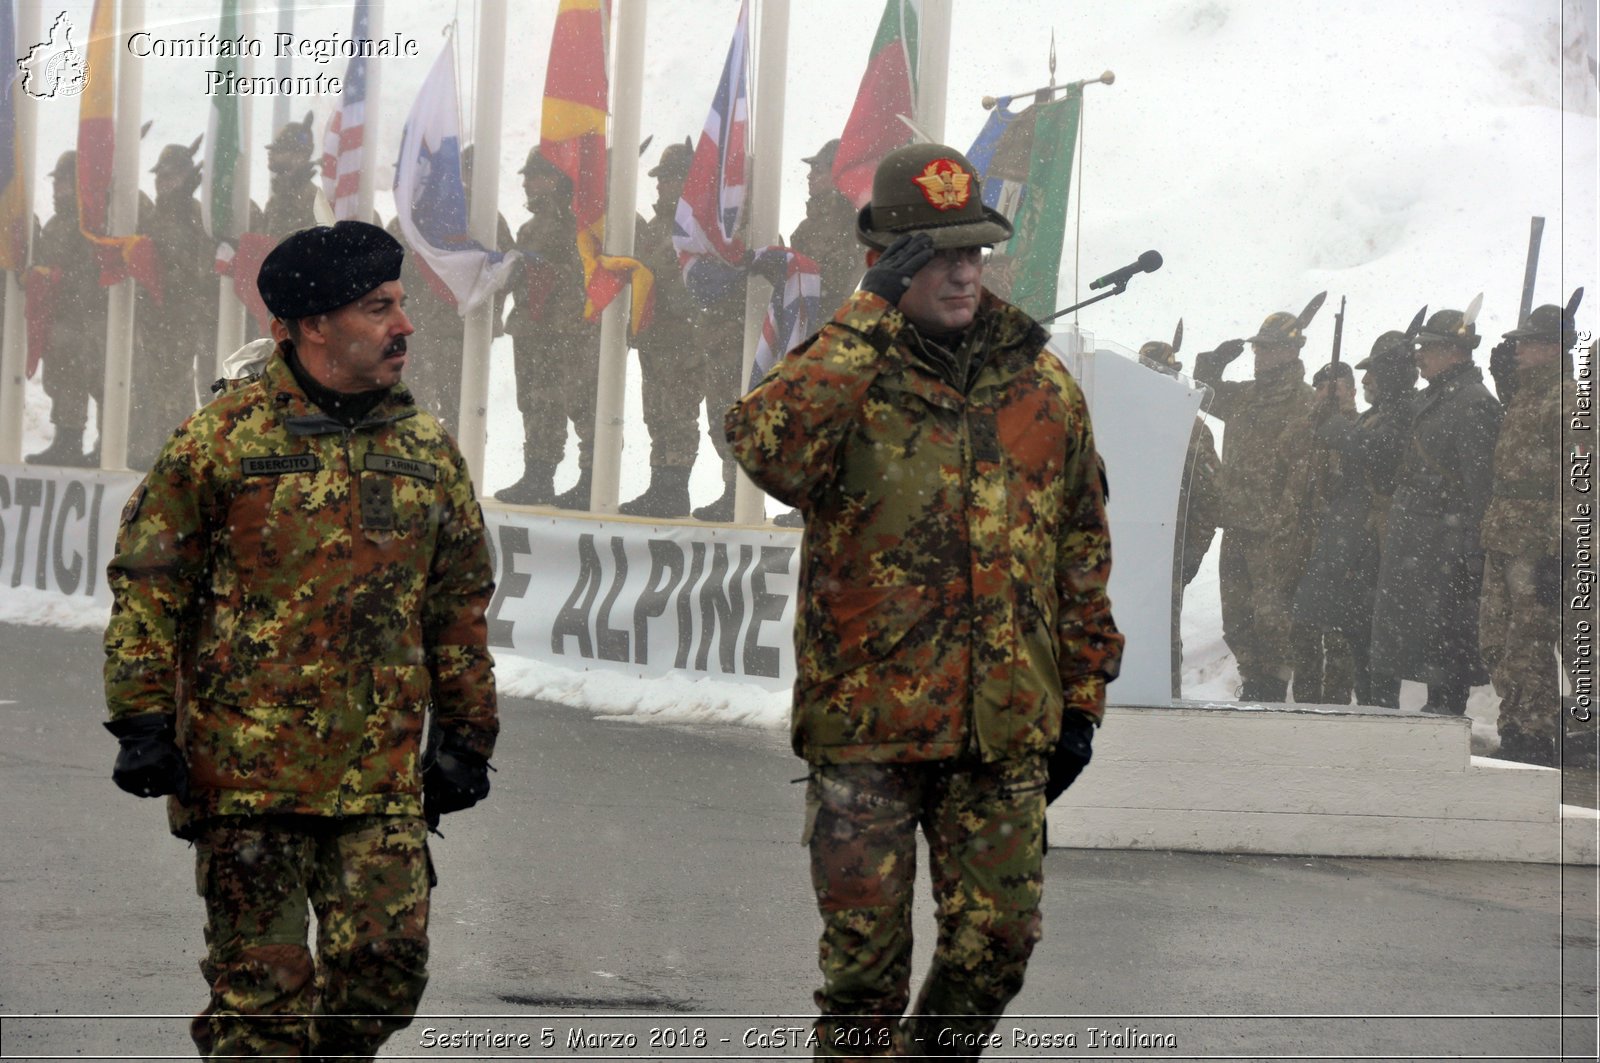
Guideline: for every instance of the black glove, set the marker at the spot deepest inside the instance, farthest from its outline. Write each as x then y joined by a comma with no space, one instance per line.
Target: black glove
149,764
1503,367
1072,753
891,275
1547,582
458,778
771,266
1228,350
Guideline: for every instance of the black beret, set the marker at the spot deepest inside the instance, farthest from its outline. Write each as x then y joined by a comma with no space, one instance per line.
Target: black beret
325,267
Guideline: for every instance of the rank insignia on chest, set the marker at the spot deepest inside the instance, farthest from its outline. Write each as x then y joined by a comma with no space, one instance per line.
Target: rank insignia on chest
377,503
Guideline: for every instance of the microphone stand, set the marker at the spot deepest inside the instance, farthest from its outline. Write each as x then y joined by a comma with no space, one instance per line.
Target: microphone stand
1121,287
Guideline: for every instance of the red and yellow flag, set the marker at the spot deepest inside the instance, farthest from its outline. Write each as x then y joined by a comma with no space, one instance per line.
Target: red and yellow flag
120,256
572,135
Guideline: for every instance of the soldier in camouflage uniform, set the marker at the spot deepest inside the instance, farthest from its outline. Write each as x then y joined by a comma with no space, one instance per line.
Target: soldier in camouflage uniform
1266,423
175,338
300,575
74,367
556,351
1197,498
292,203
954,637
826,235
1520,616
671,359
1425,623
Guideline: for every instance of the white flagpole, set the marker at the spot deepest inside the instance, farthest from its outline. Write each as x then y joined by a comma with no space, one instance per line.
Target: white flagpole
371,112
627,91
483,223
933,67
282,65
123,220
14,359
230,311
766,179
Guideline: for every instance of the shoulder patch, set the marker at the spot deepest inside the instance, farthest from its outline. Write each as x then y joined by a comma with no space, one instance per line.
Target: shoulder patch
278,464
131,509
394,463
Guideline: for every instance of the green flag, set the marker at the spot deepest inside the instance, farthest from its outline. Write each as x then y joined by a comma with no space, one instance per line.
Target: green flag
1033,160
223,147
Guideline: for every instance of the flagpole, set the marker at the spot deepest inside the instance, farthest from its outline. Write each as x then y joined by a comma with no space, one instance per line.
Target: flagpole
370,112
483,223
14,357
627,91
230,311
766,180
933,67
123,220
282,68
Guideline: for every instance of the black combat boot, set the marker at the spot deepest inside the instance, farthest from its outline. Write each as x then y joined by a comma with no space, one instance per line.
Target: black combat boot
65,449
666,497
720,511
576,496
1446,699
534,489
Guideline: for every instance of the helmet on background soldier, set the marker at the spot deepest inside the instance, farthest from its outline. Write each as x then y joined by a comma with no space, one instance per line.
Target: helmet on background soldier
1452,328
1281,329
1548,323
1394,371
929,188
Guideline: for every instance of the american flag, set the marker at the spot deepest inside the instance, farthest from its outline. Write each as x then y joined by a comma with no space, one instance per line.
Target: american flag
342,154
710,214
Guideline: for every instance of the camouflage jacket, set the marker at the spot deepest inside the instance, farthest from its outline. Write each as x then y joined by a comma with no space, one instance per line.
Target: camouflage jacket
956,548
548,292
1267,419
827,235
1524,517
296,594
1198,500
80,302
292,204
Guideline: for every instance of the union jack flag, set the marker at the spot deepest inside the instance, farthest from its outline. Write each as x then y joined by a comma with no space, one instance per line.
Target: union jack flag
790,314
710,215
342,154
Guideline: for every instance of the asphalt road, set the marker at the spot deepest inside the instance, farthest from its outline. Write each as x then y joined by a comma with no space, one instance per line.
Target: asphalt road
642,880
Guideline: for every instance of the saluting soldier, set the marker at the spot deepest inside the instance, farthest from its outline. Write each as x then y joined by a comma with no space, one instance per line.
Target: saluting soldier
1520,616
1267,418
1425,625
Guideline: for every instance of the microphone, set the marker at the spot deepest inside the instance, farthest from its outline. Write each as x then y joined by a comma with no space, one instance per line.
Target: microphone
1148,262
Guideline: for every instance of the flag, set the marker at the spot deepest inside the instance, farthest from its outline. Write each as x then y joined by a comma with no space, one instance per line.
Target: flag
431,202
790,314
709,219
1025,160
120,257
888,91
223,147
572,135
14,211
342,154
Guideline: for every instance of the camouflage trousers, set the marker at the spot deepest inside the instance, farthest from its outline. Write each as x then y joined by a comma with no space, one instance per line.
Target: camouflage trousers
556,378
984,826
366,877
1326,668
1257,611
672,383
1518,638
75,371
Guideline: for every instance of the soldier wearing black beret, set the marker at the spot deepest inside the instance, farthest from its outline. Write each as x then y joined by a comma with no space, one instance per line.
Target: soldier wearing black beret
304,569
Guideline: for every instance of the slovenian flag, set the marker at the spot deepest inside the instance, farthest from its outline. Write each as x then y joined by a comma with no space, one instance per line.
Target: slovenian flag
432,202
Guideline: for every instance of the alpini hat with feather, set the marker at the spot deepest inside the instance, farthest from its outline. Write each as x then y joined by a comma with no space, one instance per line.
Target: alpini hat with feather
929,188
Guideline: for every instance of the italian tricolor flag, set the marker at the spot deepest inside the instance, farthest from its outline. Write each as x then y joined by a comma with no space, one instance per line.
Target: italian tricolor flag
888,91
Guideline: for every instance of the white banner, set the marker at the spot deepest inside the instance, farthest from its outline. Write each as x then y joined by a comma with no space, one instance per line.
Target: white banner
684,599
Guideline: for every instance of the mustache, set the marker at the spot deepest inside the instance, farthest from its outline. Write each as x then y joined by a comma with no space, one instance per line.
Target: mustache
396,347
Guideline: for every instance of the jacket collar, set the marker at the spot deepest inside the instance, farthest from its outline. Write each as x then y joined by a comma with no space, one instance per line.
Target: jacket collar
304,417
